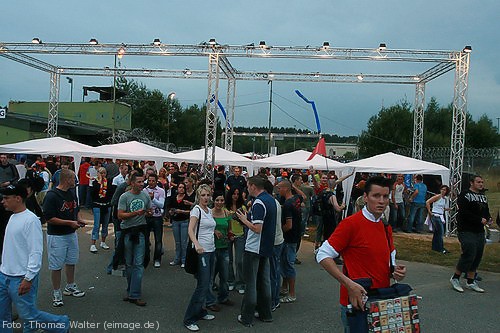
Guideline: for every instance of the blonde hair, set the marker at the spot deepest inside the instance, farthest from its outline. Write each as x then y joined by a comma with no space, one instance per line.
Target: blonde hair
202,187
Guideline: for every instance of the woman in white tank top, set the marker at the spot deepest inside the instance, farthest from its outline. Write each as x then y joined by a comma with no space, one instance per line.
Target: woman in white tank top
439,204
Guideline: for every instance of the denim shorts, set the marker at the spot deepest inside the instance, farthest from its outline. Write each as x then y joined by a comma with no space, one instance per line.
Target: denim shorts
61,250
288,256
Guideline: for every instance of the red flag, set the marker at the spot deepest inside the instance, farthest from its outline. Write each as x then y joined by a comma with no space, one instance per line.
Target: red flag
320,149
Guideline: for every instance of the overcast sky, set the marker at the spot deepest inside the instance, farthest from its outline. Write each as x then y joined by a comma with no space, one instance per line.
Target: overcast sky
344,109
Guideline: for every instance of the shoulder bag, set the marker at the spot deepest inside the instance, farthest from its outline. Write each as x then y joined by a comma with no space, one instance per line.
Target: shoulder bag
191,264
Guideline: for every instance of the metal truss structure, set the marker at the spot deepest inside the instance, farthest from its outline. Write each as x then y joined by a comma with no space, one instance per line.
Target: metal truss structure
219,67
418,121
458,133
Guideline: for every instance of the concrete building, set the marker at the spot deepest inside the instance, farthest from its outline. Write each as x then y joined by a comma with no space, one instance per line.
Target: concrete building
82,121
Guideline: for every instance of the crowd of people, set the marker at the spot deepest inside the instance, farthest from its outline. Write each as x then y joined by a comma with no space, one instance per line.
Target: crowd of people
247,231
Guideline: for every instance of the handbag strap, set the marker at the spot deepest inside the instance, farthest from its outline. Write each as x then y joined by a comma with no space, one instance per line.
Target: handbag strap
199,222
386,228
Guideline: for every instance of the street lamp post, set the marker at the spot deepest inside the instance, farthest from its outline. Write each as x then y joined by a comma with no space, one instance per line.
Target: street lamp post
169,97
70,81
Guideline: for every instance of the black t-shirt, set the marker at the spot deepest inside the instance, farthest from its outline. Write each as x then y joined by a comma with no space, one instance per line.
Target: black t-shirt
63,205
182,206
239,182
219,181
291,209
178,177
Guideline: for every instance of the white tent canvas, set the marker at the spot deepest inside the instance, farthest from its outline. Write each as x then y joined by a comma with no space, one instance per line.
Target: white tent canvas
298,160
133,150
222,156
49,146
394,163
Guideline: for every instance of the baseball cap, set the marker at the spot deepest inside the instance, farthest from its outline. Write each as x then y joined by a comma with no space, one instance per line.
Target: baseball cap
14,190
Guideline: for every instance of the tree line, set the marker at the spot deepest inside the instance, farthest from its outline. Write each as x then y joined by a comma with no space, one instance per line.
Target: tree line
167,121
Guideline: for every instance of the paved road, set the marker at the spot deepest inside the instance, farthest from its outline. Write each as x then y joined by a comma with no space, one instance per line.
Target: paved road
168,289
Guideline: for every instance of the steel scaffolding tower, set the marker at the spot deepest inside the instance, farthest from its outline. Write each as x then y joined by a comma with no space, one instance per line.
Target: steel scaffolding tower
55,82
418,121
458,133
211,118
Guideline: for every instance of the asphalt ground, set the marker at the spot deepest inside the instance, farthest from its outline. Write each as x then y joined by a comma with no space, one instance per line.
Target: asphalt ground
167,291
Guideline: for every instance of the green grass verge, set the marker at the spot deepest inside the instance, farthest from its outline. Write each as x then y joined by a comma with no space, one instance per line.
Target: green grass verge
418,248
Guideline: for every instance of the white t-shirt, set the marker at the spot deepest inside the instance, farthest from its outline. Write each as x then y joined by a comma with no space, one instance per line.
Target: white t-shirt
117,180
398,192
207,228
439,206
23,245
278,238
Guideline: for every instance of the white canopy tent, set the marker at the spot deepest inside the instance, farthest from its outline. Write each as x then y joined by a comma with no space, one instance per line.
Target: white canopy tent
49,146
394,163
222,156
133,150
298,160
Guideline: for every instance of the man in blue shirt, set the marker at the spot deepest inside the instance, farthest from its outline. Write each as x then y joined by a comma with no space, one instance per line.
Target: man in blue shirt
417,206
258,248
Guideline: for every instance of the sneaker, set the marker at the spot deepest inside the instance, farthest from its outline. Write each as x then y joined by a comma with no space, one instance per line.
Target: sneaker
72,290
208,317
275,307
173,263
104,246
241,291
93,248
455,283
157,264
288,299
192,327
474,286
231,288
182,265
240,320
57,300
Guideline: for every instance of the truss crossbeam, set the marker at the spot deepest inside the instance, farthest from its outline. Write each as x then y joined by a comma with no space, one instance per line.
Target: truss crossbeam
248,51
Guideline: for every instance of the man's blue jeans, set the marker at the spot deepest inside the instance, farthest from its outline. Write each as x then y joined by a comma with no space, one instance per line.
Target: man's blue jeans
415,220
275,266
256,272
180,231
155,224
33,318
134,260
196,308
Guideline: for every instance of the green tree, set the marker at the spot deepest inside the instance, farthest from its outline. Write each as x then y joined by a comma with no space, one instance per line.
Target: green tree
390,129
481,134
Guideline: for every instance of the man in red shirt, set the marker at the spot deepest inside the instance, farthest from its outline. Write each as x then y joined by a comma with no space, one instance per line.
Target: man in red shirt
83,184
366,246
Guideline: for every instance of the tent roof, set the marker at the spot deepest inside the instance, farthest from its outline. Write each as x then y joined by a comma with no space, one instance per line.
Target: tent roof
392,163
222,156
132,150
46,146
298,160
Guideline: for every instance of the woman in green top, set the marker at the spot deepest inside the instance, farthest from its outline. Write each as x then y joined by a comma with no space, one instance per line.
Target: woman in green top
234,201
222,232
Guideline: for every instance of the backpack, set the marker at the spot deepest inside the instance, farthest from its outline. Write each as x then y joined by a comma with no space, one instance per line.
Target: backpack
37,182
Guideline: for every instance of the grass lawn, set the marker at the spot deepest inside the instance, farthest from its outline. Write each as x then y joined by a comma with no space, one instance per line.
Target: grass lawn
417,247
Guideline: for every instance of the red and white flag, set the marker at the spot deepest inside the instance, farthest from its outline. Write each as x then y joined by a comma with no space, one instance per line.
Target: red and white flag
320,149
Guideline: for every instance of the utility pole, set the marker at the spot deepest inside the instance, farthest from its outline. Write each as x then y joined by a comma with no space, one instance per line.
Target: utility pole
270,112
